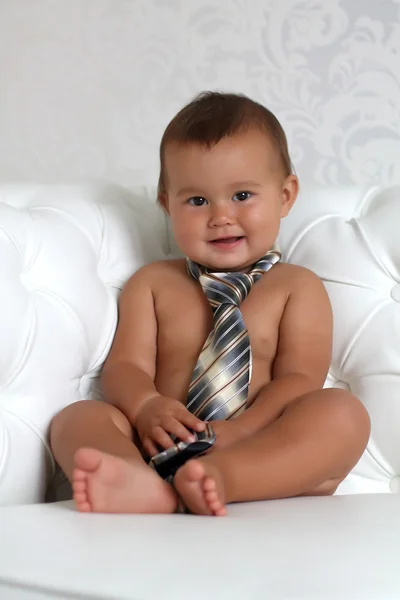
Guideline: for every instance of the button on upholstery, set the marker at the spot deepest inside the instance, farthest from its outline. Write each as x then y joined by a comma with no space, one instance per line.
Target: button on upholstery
395,292
395,485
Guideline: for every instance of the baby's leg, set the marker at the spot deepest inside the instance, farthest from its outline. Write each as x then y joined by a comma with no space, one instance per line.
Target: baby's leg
307,451
91,441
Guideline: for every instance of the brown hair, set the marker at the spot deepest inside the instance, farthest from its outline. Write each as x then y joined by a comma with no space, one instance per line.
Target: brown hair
212,116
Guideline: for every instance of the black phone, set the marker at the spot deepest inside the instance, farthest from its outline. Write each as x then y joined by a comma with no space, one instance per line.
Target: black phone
167,462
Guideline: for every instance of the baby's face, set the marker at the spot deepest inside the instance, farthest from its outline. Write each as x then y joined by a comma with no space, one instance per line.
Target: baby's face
226,202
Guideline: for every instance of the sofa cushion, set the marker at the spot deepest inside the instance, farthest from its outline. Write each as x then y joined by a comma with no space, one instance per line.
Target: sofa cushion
65,253
321,548
350,238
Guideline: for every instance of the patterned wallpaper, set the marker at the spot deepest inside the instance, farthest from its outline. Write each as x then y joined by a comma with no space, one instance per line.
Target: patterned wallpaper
87,86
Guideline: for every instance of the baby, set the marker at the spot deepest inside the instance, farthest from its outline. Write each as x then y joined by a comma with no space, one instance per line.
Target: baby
230,334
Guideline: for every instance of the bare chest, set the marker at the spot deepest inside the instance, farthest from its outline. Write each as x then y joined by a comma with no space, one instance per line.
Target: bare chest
185,319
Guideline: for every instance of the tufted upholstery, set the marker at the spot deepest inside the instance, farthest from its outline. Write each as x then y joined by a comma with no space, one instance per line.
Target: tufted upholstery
350,238
65,252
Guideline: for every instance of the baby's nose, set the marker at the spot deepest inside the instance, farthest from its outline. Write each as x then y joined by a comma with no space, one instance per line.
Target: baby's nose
222,215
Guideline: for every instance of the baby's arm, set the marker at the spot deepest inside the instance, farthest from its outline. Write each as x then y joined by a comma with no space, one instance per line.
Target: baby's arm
303,355
130,369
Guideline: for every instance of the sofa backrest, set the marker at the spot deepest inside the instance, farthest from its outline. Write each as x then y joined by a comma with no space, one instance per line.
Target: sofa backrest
66,252
350,238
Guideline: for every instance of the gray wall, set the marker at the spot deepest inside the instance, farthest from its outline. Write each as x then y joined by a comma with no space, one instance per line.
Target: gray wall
87,86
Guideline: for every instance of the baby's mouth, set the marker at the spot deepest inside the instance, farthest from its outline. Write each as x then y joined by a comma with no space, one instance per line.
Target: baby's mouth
227,241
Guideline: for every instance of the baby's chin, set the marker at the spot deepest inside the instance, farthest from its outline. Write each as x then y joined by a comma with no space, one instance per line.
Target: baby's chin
231,265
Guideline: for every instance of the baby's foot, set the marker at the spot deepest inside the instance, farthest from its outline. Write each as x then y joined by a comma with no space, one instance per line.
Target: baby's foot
108,484
200,486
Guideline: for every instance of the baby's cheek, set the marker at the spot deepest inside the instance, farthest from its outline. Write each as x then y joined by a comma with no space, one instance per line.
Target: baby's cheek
263,229
185,235
256,221
264,216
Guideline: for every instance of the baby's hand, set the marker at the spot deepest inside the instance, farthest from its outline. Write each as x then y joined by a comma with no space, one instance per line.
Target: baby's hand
159,418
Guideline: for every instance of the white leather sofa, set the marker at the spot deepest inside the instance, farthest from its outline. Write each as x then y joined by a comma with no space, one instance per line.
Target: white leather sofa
65,253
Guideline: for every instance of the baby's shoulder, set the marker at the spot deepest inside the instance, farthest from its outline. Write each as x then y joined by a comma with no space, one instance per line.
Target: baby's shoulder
293,273
158,273
292,278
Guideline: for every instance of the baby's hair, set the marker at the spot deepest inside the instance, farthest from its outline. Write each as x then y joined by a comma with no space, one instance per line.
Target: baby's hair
212,116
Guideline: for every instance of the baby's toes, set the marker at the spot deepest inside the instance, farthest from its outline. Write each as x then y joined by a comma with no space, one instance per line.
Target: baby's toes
83,506
215,505
209,484
212,498
80,491
79,485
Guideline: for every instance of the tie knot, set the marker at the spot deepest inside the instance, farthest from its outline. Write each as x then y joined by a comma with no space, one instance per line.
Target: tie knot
226,288
232,287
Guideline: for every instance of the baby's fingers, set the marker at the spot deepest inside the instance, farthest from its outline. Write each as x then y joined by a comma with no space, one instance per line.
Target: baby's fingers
175,428
191,421
161,437
150,447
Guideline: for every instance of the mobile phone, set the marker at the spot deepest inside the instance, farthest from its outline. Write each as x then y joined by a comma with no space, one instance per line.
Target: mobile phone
167,462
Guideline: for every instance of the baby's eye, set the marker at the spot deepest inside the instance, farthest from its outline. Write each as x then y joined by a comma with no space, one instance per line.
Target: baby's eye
240,196
197,201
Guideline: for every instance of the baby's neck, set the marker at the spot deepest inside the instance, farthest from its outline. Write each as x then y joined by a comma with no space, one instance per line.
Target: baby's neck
244,269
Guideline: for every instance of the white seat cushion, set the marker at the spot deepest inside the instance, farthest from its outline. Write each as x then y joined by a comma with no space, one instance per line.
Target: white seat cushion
332,548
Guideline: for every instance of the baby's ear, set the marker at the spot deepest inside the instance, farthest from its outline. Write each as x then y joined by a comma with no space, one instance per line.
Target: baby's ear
162,200
289,194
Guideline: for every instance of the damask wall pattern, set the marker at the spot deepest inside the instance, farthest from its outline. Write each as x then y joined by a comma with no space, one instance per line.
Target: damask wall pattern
87,86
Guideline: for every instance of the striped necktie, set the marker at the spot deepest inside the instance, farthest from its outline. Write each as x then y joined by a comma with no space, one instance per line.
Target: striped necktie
221,378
